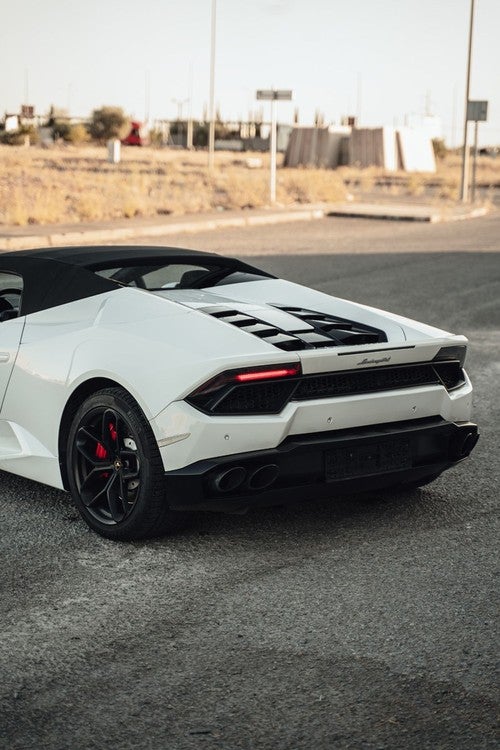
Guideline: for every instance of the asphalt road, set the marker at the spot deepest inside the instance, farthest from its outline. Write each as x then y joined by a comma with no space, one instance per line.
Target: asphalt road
364,622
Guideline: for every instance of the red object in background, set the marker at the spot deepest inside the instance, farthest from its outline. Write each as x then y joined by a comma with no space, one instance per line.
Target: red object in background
134,138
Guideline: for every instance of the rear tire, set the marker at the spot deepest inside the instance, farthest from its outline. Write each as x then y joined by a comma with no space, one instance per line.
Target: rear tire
115,470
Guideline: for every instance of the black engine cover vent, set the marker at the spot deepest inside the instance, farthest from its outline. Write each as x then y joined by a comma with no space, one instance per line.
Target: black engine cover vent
327,330
343,332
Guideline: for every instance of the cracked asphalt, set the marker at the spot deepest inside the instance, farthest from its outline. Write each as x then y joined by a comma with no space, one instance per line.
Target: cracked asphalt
362,622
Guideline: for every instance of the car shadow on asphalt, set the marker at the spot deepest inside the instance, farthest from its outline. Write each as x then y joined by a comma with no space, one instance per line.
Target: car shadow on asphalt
28,502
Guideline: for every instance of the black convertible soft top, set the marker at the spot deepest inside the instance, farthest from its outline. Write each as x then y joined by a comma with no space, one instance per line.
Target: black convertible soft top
56,276
88,256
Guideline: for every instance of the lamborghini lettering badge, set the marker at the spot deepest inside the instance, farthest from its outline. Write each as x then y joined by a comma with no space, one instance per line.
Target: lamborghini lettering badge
367,361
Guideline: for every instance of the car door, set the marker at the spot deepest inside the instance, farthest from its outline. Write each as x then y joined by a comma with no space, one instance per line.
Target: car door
11,326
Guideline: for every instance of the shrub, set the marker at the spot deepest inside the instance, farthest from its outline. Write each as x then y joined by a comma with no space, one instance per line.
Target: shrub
156,137
108,122
200,135
18,137
78,133
61,130
439,147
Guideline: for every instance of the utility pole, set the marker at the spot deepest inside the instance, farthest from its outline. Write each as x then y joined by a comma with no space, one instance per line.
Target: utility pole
454,118
26,86
180,104
359,89
147,91
189,135
464,184
211,132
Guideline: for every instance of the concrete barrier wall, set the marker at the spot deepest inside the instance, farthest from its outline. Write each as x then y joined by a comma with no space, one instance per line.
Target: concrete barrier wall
316,147
407,149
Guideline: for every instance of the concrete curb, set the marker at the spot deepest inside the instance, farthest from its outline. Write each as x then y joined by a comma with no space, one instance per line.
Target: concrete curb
405,213
88,236
475,213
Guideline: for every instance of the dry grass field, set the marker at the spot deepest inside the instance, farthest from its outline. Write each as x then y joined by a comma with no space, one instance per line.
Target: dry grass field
72,184
443,185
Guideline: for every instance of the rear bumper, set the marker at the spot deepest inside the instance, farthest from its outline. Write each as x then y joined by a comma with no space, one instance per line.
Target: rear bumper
322,465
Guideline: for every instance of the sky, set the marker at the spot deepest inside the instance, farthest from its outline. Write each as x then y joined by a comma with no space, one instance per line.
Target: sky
382,60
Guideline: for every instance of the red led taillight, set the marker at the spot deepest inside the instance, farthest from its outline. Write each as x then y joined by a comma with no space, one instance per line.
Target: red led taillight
284,372
219,387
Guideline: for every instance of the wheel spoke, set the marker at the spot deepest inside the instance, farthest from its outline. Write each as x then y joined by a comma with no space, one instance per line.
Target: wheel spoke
96,483
115,501
119,430
86,444
130,464
109,431
124,493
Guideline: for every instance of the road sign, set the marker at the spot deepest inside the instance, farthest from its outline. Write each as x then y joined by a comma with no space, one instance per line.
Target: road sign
273,95
477,111
277,94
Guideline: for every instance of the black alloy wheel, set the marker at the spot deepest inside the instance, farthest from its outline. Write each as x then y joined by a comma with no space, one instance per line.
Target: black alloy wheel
107,467
115,470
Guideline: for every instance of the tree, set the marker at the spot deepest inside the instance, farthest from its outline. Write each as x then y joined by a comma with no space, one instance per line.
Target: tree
108,122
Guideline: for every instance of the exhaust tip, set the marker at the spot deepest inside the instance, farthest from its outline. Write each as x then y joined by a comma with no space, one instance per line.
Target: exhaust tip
469,443
263,477
229,479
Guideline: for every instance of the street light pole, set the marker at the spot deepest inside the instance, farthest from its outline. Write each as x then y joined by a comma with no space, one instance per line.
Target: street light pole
147,89
189,139
180,104
211,132
464,185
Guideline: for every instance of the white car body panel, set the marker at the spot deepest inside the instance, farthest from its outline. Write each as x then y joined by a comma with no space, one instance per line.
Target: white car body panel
160,347
218,436
9,344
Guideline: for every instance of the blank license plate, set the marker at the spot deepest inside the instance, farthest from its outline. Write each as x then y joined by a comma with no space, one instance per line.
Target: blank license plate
375,458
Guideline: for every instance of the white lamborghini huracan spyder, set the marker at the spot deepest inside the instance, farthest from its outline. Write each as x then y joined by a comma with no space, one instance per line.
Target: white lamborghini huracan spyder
150,381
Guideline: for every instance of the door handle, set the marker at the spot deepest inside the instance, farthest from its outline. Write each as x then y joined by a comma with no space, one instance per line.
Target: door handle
4,356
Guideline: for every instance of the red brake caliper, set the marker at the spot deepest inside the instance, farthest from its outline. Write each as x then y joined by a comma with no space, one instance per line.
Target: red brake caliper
100,450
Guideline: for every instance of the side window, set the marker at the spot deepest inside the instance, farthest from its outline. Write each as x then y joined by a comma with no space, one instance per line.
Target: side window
11,290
